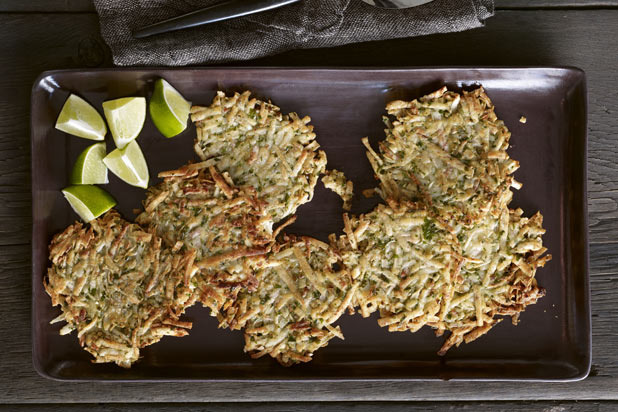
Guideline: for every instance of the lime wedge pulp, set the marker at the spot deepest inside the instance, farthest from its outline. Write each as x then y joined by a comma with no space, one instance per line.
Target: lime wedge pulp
88,201
89,168
80,119
129,165
125,118
168,109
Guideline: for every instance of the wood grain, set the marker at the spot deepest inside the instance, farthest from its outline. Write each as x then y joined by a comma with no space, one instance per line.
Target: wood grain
551,4
331,406
31,43
53,6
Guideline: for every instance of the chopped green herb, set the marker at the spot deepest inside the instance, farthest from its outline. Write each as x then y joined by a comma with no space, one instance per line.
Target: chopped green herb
429,229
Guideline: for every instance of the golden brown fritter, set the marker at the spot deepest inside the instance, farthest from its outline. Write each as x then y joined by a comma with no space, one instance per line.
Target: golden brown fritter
302,290
119,287
406,260
197,209
276,154
449,151
501,256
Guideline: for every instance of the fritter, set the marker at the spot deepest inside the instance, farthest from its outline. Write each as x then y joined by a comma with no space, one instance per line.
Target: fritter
449,151
501,256
197,209
118,287
336,181
302,290
276,154
406,260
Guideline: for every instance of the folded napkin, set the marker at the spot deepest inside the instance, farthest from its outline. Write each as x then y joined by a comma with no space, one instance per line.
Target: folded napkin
307,24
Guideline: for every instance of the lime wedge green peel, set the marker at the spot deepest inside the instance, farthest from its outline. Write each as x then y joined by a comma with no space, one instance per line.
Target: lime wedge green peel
88,201
125,118
129,165
80,119
168,109
89,168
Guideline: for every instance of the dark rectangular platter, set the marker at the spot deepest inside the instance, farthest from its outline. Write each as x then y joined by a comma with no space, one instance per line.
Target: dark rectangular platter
552,341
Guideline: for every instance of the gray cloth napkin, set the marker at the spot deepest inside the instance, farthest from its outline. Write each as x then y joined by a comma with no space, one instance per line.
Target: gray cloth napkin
308,24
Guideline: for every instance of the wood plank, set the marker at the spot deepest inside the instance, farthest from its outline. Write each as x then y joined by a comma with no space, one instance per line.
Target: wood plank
331,406
551,4
603,259
41,6
77,6
31,43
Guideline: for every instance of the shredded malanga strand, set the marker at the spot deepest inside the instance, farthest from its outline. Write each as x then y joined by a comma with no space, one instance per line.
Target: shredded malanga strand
337,182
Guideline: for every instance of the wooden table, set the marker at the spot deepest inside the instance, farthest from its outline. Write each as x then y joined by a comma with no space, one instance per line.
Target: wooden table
40,35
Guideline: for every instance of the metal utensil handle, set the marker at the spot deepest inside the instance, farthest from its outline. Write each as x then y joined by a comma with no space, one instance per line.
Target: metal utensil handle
222,11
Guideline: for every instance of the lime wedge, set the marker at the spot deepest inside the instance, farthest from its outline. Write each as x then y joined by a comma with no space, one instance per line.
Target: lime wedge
88,201
80,119
89,168
125,118
129,165
168,109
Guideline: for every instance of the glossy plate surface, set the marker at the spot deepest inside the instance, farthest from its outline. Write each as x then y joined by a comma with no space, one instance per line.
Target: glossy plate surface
552,341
